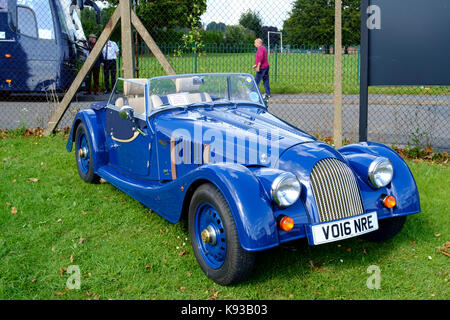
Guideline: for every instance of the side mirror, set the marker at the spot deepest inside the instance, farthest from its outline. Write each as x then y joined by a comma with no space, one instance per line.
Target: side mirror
126,112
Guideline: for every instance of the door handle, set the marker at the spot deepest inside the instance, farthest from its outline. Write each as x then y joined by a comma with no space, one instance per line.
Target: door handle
135,129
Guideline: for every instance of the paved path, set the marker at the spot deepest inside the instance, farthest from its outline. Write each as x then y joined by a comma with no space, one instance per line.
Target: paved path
392,119
401,120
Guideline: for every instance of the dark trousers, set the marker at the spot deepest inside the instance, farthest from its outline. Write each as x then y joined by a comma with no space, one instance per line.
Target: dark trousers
263,75
110,71
95,73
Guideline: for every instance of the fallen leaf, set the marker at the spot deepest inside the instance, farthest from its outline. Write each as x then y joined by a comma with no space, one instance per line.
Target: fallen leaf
182,288
13,210
62,293
62,271
53,248
188,274
147,266
445,250
59,220
14,181
33,179
182,253
71,259
83,213
348,249
81,240
8,204
214,296
437,235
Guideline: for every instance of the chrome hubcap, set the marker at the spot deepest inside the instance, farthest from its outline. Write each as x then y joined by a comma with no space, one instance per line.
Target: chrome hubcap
209,235
82,153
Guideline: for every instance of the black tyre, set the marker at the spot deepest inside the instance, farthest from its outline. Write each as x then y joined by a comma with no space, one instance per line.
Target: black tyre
84,156
214,238
388,228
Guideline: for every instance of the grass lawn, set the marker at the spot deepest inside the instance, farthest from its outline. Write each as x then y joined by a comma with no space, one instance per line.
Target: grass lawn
289,72
126,252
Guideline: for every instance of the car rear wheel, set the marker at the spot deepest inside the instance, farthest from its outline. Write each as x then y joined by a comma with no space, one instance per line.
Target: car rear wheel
214,238
388,228
84,156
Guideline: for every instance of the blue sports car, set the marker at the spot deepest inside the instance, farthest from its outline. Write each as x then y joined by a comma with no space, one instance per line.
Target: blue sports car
205,147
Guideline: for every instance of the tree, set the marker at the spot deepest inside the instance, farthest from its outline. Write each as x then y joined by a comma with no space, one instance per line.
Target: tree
89,21
252,21
239,36
158,16
351,22
311,23
217,27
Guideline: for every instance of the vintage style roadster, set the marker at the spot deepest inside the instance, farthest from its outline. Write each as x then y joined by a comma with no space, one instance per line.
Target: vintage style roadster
205,147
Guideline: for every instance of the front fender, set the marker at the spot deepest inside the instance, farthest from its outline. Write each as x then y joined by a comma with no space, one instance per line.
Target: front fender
403,186
96,134
247,199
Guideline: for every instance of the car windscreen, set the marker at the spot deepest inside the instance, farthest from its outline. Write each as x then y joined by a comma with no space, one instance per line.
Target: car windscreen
203,89
3,5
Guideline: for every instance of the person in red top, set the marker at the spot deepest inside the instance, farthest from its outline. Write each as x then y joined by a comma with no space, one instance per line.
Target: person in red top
262,66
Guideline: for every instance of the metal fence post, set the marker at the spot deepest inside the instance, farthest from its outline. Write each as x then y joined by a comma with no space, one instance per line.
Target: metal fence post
195,58
358,66
276,61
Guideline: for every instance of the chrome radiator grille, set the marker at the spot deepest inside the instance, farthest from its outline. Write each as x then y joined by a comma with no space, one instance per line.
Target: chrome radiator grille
335,190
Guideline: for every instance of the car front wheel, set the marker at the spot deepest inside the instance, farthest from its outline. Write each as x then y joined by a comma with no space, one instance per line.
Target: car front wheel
214,238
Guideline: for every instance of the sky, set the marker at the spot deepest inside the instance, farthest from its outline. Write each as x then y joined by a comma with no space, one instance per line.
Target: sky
272,12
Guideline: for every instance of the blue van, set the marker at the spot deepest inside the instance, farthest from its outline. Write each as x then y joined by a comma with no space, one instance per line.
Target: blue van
36,51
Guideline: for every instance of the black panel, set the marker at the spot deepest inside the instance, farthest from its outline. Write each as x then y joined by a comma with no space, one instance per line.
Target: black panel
413,45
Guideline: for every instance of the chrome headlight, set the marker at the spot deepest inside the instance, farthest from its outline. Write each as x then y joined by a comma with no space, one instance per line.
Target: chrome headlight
381,172
285,189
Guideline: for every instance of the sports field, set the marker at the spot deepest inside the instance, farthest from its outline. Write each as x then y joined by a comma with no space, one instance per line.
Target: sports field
289,72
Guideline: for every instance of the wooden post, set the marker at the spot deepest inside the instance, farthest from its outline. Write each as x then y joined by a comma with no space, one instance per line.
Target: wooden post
127,16
148,39
127,40
338,75
96,51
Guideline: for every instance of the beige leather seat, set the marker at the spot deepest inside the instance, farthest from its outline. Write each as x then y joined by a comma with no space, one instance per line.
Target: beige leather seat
135,94
186,85
156,102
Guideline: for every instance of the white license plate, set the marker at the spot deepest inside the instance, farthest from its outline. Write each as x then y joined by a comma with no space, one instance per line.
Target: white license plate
344,229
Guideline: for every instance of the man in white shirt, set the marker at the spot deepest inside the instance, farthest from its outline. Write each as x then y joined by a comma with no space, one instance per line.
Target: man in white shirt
110,53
